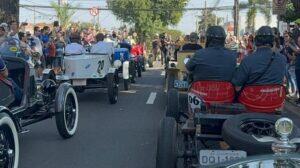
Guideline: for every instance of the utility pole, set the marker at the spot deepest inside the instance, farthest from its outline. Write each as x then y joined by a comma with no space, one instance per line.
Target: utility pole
34,16
236,17
205,16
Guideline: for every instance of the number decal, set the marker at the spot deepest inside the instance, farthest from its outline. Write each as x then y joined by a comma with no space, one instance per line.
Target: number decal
100,66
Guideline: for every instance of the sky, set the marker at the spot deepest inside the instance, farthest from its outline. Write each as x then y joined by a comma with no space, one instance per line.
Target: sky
108,21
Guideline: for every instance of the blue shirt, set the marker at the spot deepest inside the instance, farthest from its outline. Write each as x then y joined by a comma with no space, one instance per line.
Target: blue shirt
2,64
254,66
213,63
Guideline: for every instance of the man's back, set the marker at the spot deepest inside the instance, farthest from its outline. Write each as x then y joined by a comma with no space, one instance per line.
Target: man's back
74,48
191,46
254,65
103,47
213,63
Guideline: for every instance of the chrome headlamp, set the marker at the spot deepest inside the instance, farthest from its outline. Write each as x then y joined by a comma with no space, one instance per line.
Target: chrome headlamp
284,127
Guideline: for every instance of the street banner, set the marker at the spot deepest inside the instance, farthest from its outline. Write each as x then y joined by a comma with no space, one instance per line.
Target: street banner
279,7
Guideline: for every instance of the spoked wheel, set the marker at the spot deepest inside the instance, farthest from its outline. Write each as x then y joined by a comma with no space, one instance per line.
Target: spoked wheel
112,89
66,108
238,132
9,143
258,127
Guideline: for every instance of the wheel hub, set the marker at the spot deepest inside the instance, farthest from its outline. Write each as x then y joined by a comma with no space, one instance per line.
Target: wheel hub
258,127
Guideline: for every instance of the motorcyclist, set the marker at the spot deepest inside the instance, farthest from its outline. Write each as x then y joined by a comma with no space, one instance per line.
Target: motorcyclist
215,62
193,43
263,66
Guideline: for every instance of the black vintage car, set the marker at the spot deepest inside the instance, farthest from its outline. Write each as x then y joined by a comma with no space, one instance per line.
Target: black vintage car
40,100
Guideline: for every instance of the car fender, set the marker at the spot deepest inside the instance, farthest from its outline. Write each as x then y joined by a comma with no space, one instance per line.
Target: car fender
15,120
60,95
126,70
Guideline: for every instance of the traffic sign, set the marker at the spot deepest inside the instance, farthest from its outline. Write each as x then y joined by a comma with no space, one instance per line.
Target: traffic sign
94,11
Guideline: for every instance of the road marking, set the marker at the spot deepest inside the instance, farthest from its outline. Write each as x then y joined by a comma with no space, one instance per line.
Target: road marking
163,73
151,98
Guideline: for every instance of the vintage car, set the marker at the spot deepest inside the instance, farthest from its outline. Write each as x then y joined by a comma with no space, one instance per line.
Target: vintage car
39,101
90,71
124,65
218,119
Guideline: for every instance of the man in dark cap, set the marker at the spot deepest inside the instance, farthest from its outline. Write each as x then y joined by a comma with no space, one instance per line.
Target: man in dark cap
215,62
263,66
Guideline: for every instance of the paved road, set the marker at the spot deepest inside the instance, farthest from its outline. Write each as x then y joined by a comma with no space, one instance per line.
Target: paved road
109,136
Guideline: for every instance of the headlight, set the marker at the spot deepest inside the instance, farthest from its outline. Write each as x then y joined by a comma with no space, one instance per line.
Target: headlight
117,64
284,126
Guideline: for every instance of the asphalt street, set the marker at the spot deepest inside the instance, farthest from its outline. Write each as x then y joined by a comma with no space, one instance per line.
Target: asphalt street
109,136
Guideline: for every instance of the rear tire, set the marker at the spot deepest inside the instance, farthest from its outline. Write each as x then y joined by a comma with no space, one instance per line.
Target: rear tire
112,88
167,147
126,84
173,104
66,111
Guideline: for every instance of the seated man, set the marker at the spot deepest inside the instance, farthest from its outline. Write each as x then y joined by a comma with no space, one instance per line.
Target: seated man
4,74
75,47
263,67
215,62
102,47
193,43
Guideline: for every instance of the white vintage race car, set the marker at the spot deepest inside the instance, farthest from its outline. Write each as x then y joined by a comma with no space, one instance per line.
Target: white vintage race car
91,71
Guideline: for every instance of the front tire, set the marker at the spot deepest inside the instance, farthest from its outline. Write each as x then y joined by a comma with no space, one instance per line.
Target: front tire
66,111
167,144
9,151
112,88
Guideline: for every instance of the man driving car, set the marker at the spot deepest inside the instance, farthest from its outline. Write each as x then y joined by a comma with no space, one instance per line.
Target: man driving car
215,62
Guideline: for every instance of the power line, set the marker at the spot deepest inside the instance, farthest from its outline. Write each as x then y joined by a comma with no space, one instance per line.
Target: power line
137,9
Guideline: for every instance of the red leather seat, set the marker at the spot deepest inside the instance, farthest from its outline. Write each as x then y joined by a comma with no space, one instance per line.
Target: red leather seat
263,98
214,91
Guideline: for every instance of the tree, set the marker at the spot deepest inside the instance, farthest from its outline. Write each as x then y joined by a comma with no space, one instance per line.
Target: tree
9,10
64,13
290,13
148,15
208,18
255,6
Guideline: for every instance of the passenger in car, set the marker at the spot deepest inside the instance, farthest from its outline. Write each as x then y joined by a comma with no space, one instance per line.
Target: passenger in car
192,45
75,48
101,46
4,75
215,62
263,66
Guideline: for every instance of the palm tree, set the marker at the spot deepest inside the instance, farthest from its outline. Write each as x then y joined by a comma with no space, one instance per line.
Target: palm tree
255,6
64,13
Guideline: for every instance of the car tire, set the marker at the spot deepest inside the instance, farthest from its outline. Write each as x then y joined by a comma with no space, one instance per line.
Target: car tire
170,81
240,140
167,148
173,104
112,88
126,84
9,140
66,111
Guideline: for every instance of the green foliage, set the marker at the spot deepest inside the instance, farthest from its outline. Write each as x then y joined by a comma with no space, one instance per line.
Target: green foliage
64,13
290,14
148,15
208,19
255,6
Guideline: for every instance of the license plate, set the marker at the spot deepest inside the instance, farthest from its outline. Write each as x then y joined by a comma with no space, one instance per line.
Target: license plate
211,157
181,84
79,82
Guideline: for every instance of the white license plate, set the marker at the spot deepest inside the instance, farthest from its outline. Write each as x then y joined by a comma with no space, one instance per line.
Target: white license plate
211,157
79,82
181,84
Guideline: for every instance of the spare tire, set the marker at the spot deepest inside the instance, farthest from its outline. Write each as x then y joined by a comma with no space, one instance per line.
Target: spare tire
238,130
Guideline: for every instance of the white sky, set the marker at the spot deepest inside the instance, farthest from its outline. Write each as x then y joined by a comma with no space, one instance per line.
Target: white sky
107,19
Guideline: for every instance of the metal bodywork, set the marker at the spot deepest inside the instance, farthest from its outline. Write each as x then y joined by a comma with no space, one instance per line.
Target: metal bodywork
87,70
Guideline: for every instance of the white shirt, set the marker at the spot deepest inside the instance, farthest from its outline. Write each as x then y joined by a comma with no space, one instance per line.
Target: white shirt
103,48
38,45
74,48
